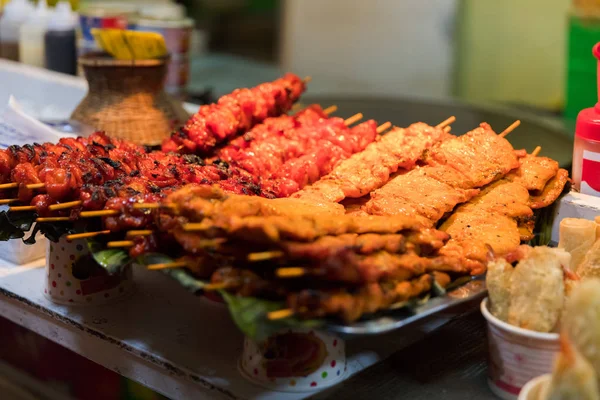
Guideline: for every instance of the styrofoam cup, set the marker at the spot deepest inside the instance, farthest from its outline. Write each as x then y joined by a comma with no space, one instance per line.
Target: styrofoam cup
295,360
534,389
73,277
516,355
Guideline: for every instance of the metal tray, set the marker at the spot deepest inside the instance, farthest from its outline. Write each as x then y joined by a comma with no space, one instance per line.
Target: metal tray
471,291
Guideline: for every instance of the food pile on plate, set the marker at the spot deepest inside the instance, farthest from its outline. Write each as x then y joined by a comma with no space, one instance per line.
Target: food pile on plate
316,215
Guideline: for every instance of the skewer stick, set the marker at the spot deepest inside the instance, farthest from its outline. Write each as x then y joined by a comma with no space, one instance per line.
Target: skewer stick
280,314
195,227
330,110
120,243
307,79
536,151
215,286
86,235
510,128
446,122
291,272
8,201
383,127
100,213
52,219
62,206
447,129
264,255
353,119
21,208
146,232
12,185
36,186
175,264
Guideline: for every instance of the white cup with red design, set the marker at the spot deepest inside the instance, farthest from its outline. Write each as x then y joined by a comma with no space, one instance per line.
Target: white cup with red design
73,277
295,360
516,355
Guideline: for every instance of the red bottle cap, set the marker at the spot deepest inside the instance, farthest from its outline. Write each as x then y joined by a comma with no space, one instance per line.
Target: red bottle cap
588,120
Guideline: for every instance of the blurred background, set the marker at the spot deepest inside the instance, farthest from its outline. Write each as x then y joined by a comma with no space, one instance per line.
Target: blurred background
514,51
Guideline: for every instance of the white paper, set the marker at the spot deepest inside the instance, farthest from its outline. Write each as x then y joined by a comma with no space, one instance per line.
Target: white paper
18,128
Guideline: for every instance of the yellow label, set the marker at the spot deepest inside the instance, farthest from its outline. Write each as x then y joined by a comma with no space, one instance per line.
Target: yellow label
130,45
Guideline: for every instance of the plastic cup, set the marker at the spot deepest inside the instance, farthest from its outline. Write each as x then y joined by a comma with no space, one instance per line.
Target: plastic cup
516,355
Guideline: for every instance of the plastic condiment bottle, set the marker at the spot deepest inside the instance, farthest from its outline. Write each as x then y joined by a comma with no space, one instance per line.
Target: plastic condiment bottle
31,36
586,151
59,40
14,15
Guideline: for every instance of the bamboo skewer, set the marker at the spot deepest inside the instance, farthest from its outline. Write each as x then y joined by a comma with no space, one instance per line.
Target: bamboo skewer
21,208
52,219
383,127
120,243
8,201
146,232
536,151
215,286
291,272
447,129
99,213
264,256
280,314
511,128
12,185
176,264
330,110
355,118
62,206
86,235
446,122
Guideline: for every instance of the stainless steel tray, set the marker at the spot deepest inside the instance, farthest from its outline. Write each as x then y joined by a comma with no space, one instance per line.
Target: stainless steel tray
471,291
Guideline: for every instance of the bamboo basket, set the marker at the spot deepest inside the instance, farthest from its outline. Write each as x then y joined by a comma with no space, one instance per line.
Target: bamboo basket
126,99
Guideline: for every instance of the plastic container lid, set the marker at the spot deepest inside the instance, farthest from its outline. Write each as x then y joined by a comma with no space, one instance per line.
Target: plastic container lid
588,120
63,18
17,11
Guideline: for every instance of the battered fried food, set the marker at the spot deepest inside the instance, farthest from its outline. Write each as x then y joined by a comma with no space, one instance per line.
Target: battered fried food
537,291
573,377
581,320
498,281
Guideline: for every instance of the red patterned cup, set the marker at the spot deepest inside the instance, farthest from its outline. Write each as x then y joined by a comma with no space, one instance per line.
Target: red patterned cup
295,360
73,277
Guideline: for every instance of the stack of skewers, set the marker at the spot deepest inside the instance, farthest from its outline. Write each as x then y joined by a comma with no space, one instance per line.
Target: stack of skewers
334,219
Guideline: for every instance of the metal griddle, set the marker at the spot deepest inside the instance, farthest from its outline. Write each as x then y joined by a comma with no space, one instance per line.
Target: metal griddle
552,134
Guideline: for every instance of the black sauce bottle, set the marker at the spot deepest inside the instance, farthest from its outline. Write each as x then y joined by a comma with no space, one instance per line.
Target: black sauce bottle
59,40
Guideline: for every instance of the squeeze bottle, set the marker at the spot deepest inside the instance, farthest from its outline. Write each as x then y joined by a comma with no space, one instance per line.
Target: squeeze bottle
59,40
31,36
586,149
14,15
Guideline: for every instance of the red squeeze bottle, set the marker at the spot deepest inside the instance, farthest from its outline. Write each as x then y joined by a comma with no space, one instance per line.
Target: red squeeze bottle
586,151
